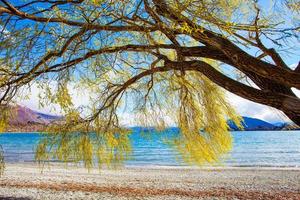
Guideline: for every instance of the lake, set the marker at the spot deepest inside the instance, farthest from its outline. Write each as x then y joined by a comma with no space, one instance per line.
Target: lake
251,148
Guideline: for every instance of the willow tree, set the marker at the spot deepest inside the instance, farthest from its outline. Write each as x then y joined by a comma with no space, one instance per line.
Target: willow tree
161,60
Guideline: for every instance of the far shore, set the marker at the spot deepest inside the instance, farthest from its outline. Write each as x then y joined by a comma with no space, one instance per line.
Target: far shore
39,132
151,182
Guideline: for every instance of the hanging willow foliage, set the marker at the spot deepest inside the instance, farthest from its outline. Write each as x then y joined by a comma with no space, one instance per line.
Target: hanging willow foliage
159,61
76,143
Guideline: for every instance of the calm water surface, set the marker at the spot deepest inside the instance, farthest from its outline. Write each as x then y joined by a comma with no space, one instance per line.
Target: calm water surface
251,148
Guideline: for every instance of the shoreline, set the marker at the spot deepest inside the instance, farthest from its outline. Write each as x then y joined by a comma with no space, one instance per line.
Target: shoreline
58,182
147,166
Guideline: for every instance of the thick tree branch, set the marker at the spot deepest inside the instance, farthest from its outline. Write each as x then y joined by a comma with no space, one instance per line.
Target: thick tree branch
288,104
256,95
240,58
262,82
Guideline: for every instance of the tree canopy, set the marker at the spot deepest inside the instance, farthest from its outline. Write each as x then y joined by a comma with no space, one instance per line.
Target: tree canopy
162,60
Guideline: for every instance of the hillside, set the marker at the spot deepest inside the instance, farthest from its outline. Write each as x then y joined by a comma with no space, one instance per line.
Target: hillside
253,124
24,119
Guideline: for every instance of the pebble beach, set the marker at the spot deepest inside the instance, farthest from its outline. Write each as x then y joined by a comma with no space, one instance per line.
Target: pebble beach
29,181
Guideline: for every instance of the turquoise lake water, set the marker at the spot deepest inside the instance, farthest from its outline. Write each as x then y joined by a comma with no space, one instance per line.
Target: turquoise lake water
251,148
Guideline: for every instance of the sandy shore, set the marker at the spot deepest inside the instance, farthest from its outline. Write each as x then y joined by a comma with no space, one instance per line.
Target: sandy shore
25,181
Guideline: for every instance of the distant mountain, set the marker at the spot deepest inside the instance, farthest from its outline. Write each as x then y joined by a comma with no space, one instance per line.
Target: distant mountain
251,124
22,115
24,119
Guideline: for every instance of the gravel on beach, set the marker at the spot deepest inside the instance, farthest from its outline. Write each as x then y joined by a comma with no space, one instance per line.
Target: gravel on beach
25,181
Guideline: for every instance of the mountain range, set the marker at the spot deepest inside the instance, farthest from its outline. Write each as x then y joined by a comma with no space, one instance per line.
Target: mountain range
27,120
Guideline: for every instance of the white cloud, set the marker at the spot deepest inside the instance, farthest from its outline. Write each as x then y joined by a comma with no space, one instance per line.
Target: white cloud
250,109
